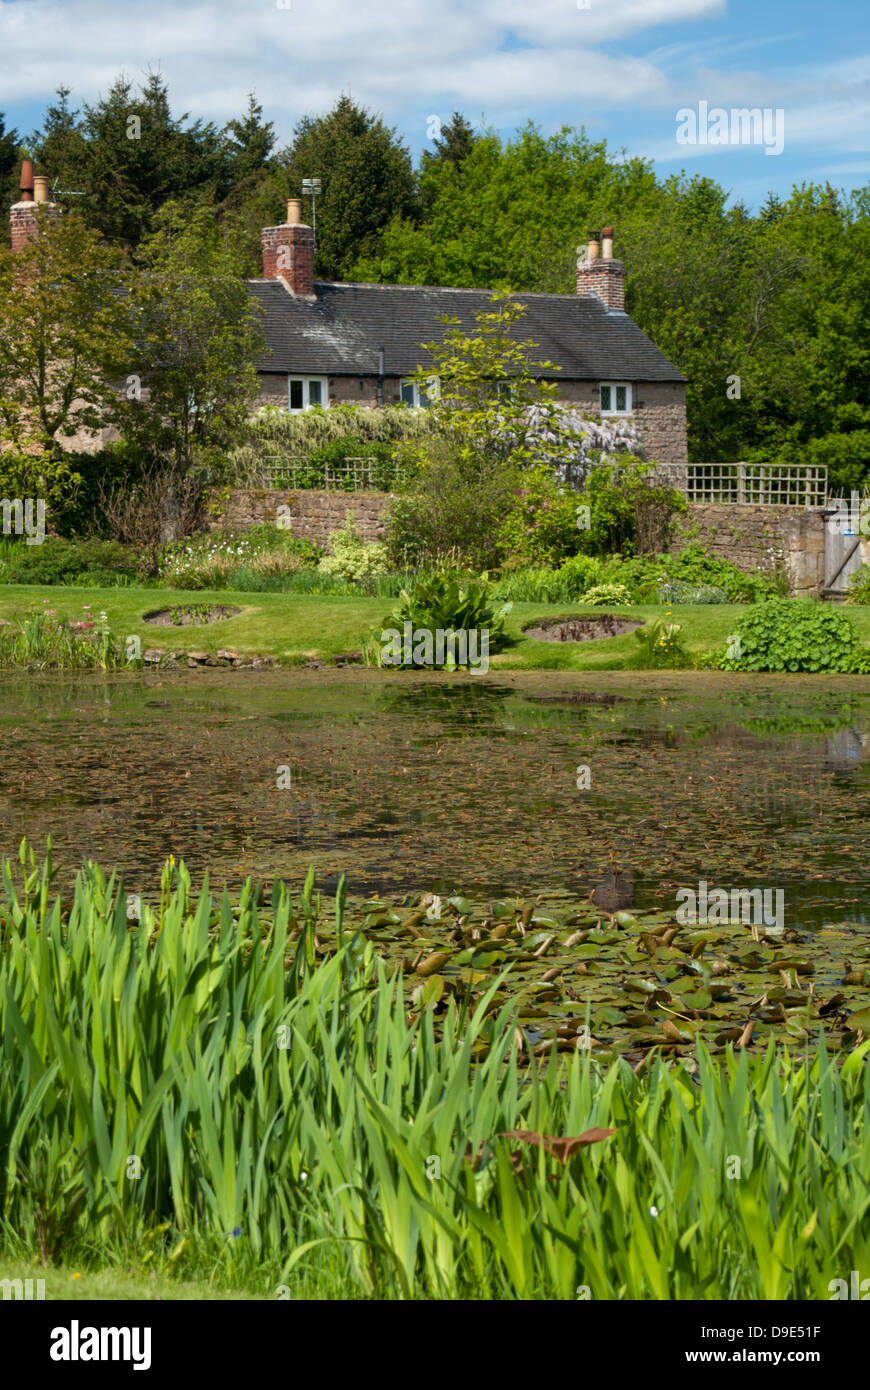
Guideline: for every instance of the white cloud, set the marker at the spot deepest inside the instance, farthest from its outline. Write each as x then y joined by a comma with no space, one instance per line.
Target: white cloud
509,59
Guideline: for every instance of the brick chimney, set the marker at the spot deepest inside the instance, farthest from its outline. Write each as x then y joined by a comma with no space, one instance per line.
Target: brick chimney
288,252
23,222
599,274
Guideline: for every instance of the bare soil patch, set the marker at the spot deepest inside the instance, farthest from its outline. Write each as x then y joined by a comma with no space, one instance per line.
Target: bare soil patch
582,629
190,615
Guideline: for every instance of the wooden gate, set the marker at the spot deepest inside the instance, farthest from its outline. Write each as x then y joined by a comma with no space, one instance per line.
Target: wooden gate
845,524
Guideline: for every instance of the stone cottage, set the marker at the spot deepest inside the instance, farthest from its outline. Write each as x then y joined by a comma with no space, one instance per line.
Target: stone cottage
331,342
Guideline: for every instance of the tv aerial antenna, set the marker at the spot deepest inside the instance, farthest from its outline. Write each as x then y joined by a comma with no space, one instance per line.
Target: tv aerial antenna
311,188
66,192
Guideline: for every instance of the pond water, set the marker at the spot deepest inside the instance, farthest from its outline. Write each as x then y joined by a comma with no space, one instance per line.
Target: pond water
631,785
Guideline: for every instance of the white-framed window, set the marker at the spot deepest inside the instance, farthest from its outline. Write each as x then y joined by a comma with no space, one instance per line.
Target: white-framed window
614,398
305,391
411,393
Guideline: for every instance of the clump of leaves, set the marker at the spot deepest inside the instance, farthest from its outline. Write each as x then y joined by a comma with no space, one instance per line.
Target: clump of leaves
795,635
351,556
659,648
441,603
604,595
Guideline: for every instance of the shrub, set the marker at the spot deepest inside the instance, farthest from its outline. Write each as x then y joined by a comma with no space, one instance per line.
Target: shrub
695,565
627,511
455,510
60,561
351,556
439,603
541,524
536,584
794,635
578,574
256,559
603,595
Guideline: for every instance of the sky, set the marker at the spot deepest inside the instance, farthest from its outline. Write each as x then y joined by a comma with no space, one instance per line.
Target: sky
638,73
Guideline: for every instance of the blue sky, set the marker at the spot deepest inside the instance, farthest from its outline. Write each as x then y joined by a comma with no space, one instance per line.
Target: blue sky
622,68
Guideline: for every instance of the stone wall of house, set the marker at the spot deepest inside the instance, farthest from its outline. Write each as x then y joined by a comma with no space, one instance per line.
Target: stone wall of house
310,514
658,416
659,413
761,538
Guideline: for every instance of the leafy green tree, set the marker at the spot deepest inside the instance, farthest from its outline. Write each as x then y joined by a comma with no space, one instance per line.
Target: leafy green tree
197,333
62,152
454,144
140,156
367,180
250,142
489,404
9,156
64,335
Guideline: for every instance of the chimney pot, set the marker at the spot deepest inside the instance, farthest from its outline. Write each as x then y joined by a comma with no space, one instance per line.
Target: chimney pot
600,275
40,189
294,212
27,181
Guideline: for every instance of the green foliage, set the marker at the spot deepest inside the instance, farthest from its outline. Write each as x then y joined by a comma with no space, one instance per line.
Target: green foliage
488,414
64,332
659,648
42,641
648,576
859,585
627,511
794,635
59,561
438,602
604,595
261,558
197,334
536,584
452,512
285,1092
308,439
676,591
541,526
696,566
366,176
351,556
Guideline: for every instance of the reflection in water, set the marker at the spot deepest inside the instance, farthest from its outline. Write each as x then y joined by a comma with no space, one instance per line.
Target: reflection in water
448,783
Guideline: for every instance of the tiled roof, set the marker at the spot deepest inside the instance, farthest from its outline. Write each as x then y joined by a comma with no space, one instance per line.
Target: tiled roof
342,328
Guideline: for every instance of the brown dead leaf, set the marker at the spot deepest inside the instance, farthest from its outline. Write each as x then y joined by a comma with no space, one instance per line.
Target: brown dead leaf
559,1146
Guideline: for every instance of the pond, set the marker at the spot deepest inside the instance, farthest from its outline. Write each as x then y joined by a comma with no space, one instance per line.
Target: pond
554,826
493,785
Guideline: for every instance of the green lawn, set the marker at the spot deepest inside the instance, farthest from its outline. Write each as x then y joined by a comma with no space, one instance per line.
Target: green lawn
114,1284
295,628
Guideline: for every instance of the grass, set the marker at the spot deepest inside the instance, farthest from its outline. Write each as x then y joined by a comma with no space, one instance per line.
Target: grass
299,627
292,1125
115,1284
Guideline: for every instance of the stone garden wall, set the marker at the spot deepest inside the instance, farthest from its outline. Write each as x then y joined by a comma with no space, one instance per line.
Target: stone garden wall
755,538
312,515
760,538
